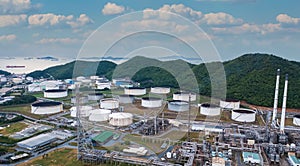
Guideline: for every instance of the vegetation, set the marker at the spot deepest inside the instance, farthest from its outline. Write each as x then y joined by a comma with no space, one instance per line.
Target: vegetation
4,120
4,73
250,77
23,99
13,128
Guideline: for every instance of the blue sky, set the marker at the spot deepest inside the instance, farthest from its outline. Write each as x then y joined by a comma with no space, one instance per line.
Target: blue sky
32,28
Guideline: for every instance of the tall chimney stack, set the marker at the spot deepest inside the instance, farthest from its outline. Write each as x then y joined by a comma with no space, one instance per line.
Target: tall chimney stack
276,98
282,121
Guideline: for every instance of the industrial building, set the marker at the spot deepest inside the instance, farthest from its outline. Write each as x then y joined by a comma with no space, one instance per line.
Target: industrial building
251,158
103,137
55,93
140,151
37,142
210,109
109,103
99,115
151,102
294,161
135,91
120,119
49,107
178,105
185,96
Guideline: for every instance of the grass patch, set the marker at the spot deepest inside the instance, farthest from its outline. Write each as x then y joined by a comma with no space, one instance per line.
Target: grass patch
13,128
24,109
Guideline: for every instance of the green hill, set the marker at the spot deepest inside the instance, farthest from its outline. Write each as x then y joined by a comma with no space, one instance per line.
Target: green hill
2,72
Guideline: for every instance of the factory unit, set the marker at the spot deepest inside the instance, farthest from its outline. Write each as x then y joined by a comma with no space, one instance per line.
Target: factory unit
126,99
84,111
55,93
151,102
243,115
135,91
185,96
294,161
210,109
109,103
178,105
95,96
230,104
37,142
120,119
48,107
251,158
99,115
160,90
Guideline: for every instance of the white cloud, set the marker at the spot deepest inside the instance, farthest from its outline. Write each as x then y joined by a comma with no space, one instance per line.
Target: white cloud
48,19
112,8
8,37
58,40
10,20
248,28
14,6
82,20
220,19
284,18
175,8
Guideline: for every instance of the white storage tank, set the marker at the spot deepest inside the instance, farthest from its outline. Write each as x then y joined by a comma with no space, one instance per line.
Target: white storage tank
49,107
94,77
103,85
46,85
126,99
17,80
86,81
230,104
151,102
160,90
82,99
109,103
120,119
95,96
84,111
178,105
243,115
210,109
185,96
80,78
3,79
135,91
99,115
55,93
34,87
296,120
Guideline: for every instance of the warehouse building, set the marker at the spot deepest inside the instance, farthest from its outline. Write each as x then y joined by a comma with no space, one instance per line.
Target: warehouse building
37,142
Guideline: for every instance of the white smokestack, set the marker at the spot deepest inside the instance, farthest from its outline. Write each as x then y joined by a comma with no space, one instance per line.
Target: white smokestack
282,121
276,98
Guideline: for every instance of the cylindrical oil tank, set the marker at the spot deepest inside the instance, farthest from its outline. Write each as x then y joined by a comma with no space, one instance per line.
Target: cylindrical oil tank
210,109
296,120
160,90
55,93
82,99
230,104
86,81
120,119
95,96
109,103
243,115
99,115
17,80
135,91
80,78
103,85
178,105
126,99
94,77
49,107
84,111
3,79
185,96
151,102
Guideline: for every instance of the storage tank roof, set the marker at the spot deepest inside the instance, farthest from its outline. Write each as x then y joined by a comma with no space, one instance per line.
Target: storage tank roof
46,104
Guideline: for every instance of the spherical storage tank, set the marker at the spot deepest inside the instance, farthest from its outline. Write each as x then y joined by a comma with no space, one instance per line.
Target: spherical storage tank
210,109
99,115
55,93
160,90
185,96
84,111
95,96
296,120
49,107
243,115
230,104
109,103
126,99
178,105
120,119
136,91
151,102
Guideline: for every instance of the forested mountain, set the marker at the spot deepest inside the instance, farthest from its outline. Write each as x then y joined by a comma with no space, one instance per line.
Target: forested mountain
2,72
250,77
